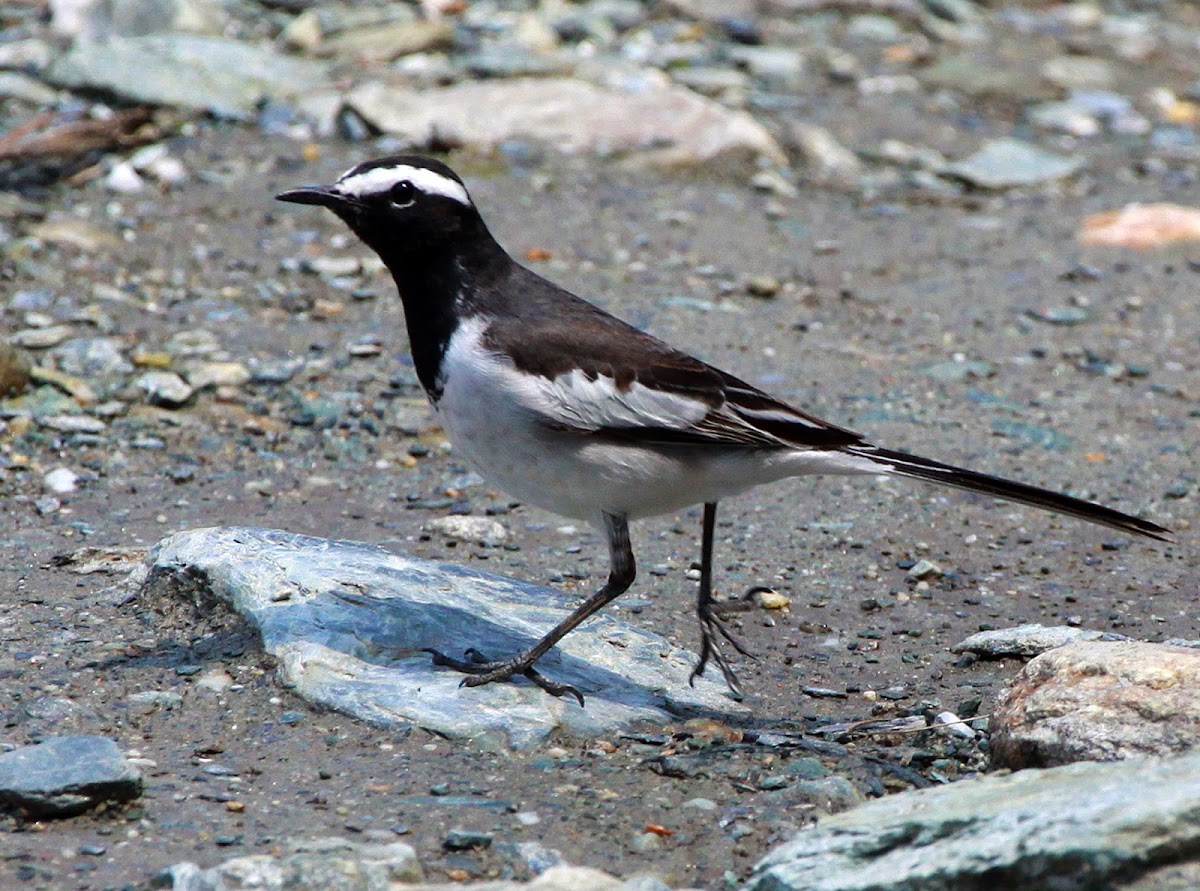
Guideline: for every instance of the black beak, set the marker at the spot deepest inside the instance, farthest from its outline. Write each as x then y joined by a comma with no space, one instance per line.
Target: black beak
322,196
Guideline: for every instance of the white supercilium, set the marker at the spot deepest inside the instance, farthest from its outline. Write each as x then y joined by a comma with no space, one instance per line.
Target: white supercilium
379,180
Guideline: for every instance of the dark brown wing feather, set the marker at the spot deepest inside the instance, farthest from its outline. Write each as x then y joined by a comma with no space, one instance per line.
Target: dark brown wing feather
579,335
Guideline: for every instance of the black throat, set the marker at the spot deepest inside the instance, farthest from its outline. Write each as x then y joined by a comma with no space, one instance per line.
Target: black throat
440,286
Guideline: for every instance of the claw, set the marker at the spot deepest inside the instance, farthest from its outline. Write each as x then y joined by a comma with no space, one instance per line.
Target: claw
712,628
710,650
439,658
480,670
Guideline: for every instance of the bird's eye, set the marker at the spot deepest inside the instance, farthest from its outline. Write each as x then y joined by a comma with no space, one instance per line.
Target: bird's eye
402,193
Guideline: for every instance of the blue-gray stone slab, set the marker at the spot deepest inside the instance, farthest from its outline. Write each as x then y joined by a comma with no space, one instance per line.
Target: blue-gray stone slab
66,775
213,74
348,622
1084,826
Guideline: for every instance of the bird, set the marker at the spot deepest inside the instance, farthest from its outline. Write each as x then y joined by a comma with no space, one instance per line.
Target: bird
571,409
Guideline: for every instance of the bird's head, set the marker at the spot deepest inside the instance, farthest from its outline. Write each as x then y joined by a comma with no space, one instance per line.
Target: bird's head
398,205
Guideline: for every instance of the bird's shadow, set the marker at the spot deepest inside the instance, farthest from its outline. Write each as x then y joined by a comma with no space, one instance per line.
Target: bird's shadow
389,631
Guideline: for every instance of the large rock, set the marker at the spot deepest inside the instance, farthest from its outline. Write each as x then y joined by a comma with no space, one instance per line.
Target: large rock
212,74
1082,827
648,118
348,622
308,865
66,775
102,19
1093,701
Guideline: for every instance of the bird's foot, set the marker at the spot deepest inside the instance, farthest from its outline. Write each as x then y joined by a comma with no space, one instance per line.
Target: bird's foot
712,630
480,670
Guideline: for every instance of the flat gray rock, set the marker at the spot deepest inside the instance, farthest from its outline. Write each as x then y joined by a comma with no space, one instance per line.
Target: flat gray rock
1027,640
1009,163
326,864
1084,826
649,118
212,74
66,775
348,622
306,865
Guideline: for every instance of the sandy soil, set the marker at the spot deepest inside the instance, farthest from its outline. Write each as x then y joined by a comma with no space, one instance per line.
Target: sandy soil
873,294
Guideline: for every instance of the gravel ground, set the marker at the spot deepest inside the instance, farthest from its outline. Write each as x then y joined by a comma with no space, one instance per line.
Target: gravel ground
874,299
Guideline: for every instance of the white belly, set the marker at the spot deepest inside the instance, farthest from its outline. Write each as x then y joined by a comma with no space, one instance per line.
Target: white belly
491,414
576,477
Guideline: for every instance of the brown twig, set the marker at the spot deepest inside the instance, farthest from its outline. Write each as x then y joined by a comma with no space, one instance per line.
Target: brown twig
40,138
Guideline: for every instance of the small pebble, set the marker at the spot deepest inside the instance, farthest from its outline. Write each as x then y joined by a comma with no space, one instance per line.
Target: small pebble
773,182
770,599
822,693
1060,315
463,840
954,725
165,389
923,570
148,701
73,424
61,481
215,680
47,504
41,338
332,267
123,178
646,842
476,530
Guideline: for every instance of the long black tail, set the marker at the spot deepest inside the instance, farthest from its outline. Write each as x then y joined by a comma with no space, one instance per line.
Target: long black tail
919,468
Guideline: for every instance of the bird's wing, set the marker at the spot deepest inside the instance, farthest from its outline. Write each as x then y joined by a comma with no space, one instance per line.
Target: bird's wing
652,394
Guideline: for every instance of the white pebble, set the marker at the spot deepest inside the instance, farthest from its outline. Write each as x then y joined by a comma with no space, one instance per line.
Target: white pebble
60,481
477,530
954,725
215,680
167,170
123,178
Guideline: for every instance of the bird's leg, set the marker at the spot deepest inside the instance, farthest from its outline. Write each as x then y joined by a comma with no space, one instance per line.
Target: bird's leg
620,576
709,611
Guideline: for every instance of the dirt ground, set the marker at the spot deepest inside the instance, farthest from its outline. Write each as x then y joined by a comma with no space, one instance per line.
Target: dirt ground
874,293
